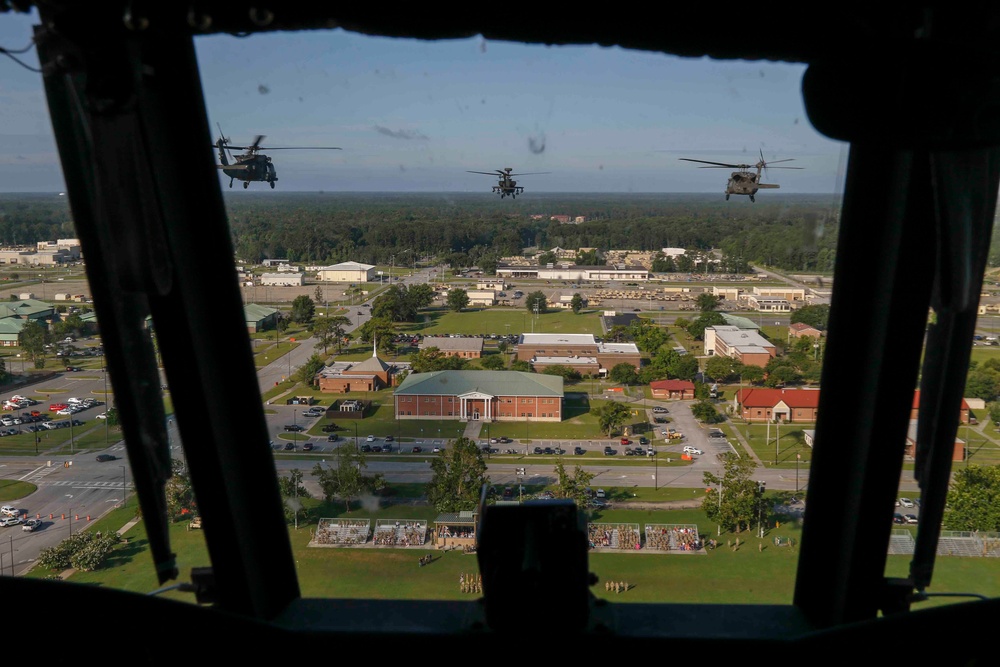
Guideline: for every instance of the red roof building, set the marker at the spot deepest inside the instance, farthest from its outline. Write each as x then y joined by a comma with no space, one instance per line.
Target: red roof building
681,389
780,405
799,329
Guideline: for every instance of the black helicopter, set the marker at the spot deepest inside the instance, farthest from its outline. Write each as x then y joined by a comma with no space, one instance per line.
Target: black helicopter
254,165
744,181
507,185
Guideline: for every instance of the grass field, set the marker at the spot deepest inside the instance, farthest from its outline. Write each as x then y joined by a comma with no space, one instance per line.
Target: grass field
758,572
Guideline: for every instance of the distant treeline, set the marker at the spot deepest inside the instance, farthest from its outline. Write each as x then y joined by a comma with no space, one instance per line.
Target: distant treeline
790,232
793,232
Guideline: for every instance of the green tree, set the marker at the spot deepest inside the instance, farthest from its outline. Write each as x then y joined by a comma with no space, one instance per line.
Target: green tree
292,490
815,316
573,487
994,412
536,299
303,309
346,480
704,411
624,373
521,365
684,367
382,331
707,302
710,319
663,264
493,362
318,294
974,499
329,332
589,258
113,417
576,303
721,369
611,416
564,372
432,359
459,474
741,501
458,299
307,372
33,339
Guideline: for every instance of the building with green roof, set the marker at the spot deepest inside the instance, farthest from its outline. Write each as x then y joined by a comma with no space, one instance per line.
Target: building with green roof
260,318
475,395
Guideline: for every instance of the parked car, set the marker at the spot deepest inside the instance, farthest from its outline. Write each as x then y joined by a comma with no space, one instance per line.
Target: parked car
370,438
598,503
106,457
294,428
388,438
688,449
579,450
911,518
898,518
289,446
659,409
31,525
9,510
416,450
307,447
538,450
333,437
643,441
366,448
906,502
10,520
609,452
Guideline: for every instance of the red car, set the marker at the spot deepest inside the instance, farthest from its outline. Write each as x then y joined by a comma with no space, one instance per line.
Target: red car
56,407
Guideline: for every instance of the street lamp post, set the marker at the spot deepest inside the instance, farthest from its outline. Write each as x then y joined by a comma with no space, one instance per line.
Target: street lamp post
124,488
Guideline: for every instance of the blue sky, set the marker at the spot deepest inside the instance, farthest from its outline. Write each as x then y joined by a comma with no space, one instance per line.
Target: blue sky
416,116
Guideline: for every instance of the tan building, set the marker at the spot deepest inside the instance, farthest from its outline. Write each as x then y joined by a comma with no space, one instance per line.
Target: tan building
466,347
790,294
481,297
347,272
745,345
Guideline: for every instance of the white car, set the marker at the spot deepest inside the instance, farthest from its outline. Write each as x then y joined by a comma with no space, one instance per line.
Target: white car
31,525
906,502
103,415
9,510
688,449
10,520
370,438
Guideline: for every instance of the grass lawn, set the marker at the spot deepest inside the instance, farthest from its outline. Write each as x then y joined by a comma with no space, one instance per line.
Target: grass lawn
783,442
496,320
11,489
758,572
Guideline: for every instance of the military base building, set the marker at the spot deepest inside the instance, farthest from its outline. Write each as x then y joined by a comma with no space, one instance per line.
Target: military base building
480,395
581,352
347,272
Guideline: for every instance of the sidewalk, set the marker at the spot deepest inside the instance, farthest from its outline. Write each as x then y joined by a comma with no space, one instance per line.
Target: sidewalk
745,444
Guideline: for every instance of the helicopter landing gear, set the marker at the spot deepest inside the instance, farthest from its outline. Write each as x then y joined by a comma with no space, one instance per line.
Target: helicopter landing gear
246,184
751,198
272,184
727,196
230,182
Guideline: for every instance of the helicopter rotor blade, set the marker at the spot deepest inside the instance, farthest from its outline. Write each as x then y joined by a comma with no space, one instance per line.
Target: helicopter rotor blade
531,173
487,173
717,164
256,142
299,148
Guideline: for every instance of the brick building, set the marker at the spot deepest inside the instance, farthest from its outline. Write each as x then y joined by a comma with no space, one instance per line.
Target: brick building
467,347
480,395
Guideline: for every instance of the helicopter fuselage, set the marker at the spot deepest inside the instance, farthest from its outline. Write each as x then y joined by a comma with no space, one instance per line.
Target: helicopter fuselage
507,187
747,183
249,167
